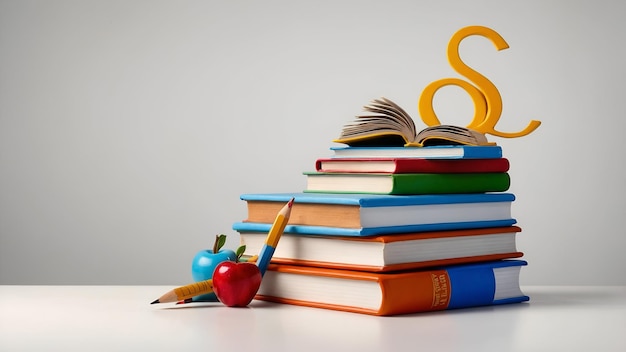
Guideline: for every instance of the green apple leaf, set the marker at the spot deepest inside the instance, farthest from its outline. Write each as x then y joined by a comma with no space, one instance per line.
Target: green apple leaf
240,251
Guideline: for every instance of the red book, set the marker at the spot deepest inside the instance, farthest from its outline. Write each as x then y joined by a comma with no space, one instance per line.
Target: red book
411,165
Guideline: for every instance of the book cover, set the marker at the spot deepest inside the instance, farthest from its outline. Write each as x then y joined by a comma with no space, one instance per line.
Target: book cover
373,214
395,252
411,165
422,183
432,152
448,287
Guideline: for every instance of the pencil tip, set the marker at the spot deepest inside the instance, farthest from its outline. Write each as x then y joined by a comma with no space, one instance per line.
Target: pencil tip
155,301
291,202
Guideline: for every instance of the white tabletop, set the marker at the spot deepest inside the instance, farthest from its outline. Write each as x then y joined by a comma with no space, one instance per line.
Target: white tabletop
121,318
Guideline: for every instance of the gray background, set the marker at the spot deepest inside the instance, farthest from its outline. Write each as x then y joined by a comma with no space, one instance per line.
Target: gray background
128,129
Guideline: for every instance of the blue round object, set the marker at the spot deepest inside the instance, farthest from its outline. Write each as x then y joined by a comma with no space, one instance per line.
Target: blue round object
203,266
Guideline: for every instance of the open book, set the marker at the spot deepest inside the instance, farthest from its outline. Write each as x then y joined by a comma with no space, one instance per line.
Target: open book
387,124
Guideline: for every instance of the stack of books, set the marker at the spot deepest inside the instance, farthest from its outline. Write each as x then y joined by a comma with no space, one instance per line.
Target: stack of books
393,230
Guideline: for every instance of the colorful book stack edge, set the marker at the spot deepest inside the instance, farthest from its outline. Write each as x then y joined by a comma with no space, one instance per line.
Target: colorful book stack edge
393,230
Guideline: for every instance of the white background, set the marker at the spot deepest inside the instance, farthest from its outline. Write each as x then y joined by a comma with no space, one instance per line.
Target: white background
128,129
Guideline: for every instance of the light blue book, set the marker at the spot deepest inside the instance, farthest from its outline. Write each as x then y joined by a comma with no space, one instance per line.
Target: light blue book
431,152
374,214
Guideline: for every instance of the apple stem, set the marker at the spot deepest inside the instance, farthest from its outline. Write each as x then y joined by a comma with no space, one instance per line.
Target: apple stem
216,243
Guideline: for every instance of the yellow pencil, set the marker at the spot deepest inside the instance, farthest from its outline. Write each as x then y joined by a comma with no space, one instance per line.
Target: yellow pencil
273,236
186,292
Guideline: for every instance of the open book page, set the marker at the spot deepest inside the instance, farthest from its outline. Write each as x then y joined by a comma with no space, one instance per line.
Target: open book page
387,124
448,134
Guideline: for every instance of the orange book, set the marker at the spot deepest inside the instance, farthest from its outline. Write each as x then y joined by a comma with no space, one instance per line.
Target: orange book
450,287
391,252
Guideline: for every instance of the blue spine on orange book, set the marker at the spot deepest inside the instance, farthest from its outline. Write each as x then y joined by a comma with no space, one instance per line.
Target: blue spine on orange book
475,284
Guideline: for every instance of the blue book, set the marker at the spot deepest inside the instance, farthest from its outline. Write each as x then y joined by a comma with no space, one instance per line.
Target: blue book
432,152
438,288
374,214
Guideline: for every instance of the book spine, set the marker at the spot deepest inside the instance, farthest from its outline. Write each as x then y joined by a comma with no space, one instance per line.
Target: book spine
450,183
471,287
461,286
421,292
452,165
475,285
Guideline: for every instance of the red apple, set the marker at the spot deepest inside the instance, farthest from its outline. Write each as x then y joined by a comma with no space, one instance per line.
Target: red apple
235,283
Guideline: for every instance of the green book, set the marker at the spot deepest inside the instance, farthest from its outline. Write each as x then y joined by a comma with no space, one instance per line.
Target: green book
422,183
